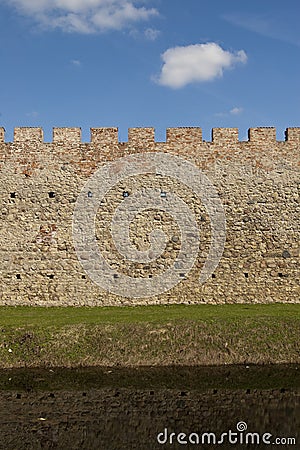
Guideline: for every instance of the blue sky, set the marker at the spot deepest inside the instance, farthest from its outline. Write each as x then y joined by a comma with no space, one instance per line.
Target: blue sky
160,63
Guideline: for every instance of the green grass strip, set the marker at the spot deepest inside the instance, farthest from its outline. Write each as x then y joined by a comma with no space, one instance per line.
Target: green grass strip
58,316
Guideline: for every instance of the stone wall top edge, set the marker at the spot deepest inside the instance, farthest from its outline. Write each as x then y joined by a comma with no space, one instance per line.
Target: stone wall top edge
110,135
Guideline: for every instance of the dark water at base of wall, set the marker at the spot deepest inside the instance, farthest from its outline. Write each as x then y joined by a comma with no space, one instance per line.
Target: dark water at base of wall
114,408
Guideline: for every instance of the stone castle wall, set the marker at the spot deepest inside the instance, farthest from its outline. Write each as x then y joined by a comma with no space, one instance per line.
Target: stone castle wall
257,182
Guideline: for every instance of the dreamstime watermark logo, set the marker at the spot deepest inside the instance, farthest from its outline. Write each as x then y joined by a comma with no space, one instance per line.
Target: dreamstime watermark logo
241,426
238,437
106,178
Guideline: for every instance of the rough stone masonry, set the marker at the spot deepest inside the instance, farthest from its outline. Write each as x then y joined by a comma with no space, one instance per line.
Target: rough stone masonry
257,181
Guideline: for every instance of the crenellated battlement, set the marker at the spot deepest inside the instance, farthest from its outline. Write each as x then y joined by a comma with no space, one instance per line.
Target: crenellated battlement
105,136
2,134
262,135
67,135
225,135
292,134
139,137
184,135
28,135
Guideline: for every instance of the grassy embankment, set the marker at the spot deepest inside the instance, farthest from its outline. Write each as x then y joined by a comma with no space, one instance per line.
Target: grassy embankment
153,335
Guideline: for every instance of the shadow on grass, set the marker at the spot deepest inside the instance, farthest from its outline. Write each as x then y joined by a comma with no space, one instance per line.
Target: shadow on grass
231,377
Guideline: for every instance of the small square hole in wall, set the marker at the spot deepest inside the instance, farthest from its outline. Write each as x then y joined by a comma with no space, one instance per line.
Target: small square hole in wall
182,275
90,194
125,194
163,194
18,276
51,194
83,277
12,195
280,274
116,275
246,275
51,276
213,275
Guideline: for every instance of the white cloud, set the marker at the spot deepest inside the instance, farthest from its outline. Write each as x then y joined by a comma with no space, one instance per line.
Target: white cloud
220,114
76,62
151,34
236,111
84,16
196,63
32,114
281,25
29,6
233,112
